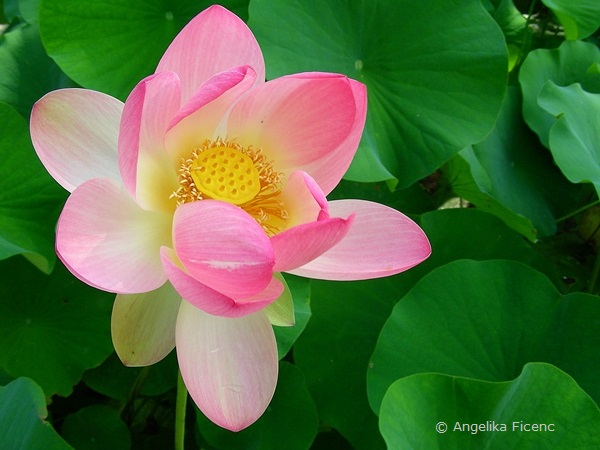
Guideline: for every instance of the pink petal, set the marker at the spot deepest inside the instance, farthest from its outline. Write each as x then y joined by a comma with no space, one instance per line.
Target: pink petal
223,247
331,168
145,167
214,41
109,242
308,122
301,244
200,118
211,301
74,132
229,366
381,242
143,325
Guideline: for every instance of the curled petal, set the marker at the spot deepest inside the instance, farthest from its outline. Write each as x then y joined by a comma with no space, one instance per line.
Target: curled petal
381,242
143,162
214,41
297,246
311,232
303,199
108,241
223,247
308,122
143,325
211,301
200,118
229,365
75,132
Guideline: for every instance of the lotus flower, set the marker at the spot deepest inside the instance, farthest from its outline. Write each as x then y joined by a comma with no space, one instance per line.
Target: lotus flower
204,186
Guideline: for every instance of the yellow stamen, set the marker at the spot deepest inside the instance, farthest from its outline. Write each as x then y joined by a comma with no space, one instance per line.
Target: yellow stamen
226,171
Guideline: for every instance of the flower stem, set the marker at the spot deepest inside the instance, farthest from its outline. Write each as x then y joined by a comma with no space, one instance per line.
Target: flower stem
180,407
526,38
580,210
592,286
127,407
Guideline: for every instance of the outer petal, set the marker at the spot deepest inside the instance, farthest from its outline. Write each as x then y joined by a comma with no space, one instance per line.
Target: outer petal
145,168
381,242
214,41
74,132
304,121
228,365
201,117
109,242
143,325
211,301
332,167
223,247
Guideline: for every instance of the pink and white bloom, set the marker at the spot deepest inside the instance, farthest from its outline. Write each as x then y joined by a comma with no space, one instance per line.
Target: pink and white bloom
204,186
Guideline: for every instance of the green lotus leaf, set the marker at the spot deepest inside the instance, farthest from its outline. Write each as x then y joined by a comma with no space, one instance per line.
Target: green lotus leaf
512,168
115,380
579,18
29,10
542,408
461,170
54,327
571,63
486,320
96,427
22,418
10,9
110,45
435,72
287,335
29,198
575,137
27,71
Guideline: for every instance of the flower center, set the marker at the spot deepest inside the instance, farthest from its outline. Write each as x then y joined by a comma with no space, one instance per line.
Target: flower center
226,171
225,174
